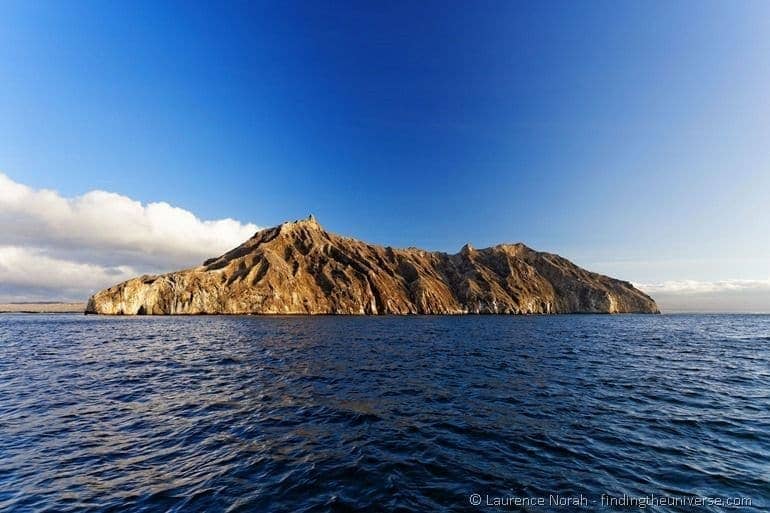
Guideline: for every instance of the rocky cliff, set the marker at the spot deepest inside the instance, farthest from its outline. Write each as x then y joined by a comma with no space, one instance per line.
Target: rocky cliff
299,268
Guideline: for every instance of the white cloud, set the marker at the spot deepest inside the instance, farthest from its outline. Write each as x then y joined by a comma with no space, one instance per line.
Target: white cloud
684,287
23,267
710,296
80,244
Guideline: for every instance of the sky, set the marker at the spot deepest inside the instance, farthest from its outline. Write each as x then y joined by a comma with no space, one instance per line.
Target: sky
631,138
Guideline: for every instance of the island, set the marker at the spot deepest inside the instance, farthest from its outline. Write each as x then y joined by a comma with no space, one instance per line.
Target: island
300,268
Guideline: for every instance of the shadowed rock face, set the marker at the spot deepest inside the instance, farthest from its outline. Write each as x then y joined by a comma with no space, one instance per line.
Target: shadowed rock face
299,268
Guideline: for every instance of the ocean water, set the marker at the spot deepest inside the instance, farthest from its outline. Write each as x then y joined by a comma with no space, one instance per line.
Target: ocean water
420,414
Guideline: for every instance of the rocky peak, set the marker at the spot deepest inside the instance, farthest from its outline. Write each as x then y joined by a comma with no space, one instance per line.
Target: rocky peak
309,222
467,248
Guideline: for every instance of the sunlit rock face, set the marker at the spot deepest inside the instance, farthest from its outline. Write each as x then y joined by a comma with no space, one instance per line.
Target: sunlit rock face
299,268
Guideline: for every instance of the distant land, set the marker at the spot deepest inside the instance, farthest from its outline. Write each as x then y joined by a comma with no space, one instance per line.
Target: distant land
42,307
300,268
725,302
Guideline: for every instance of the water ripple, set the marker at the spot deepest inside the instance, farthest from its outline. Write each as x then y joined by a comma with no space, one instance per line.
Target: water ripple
379,414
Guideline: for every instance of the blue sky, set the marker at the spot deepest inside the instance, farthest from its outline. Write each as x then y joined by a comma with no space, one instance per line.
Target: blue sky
630,137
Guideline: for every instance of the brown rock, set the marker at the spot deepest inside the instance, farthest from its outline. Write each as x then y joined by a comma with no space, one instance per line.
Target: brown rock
299,268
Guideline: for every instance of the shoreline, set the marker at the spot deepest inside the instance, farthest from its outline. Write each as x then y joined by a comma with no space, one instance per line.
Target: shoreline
42,307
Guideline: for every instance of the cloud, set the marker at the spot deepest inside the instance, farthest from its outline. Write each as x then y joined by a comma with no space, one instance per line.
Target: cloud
710,296
51,243
685,287
34,275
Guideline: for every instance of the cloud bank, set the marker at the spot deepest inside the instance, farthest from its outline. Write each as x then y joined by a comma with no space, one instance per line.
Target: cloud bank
53,247
710,296
685,287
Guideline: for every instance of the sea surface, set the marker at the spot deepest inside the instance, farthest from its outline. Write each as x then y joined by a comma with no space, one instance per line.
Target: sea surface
422,414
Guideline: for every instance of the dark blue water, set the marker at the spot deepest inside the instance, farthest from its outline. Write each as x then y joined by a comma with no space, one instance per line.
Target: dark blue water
383,414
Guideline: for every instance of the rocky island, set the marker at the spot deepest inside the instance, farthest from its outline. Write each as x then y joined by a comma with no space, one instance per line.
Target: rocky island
300,268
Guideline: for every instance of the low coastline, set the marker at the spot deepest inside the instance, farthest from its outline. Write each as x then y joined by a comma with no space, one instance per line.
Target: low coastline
43,307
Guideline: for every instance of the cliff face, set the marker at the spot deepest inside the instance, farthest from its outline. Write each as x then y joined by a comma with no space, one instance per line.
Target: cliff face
299,268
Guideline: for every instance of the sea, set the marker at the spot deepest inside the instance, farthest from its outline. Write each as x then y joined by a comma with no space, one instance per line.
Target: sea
565,413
